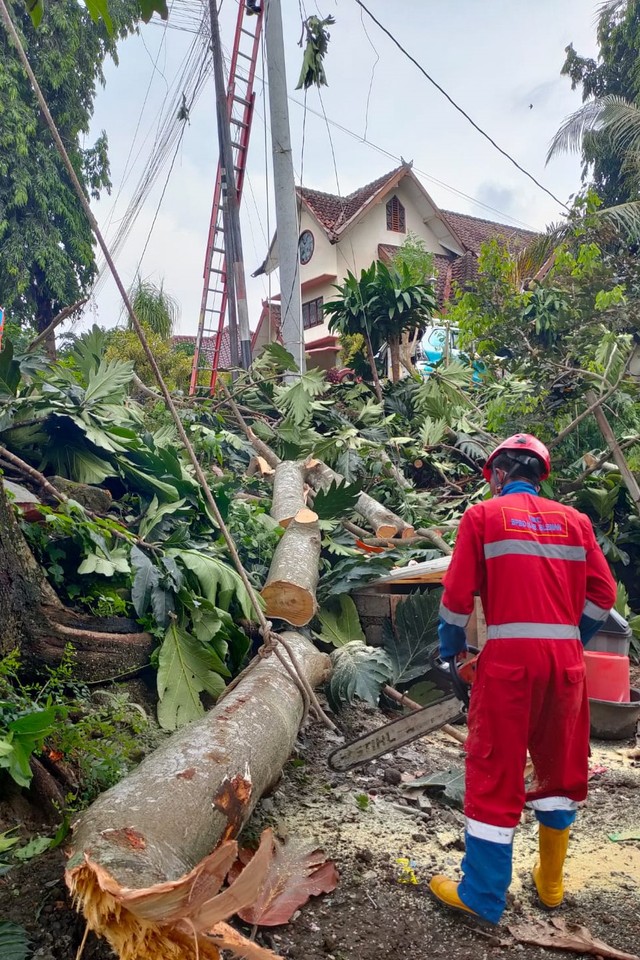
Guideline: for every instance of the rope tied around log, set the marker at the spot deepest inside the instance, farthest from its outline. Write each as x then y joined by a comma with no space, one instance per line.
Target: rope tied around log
292,667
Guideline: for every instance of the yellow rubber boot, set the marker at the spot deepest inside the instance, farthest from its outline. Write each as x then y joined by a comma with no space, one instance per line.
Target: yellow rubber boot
547,873
446,891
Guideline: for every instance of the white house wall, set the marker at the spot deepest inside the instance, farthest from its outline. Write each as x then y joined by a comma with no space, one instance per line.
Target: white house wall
358,248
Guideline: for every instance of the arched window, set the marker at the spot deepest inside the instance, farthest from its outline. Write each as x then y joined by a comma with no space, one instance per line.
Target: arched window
395,216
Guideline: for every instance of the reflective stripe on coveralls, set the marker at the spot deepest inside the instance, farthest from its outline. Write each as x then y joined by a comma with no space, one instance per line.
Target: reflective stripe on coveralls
457,619
523,548
533,631
594,612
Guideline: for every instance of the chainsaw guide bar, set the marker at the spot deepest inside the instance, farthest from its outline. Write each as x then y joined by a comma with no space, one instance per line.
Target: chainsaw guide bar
395,734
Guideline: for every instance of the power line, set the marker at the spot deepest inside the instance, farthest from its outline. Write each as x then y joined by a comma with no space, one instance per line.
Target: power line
459,108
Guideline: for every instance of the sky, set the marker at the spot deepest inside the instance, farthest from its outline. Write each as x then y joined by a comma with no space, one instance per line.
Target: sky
500,60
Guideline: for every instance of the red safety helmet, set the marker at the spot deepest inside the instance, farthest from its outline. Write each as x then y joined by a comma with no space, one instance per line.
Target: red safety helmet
520,443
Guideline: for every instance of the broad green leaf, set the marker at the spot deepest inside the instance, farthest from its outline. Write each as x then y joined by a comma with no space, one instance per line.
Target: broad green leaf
27,735
162,604
220,584
358,671
296,399
14,942
340,621
432,432
9,370
148,481
336,500
33,848
155,514
281,356
111,377
411,644
145,576
186,668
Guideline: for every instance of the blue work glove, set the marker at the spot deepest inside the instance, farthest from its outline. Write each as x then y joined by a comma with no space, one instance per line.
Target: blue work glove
453,639
588,628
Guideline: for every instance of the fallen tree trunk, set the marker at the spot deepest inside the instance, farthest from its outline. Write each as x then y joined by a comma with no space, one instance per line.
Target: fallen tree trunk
383,522
290,590
288,495
198,789
35,622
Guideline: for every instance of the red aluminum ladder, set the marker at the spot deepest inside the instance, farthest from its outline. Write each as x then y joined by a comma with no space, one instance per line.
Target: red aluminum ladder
240,100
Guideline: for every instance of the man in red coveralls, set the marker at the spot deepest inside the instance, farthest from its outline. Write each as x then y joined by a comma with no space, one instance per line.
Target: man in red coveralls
546,588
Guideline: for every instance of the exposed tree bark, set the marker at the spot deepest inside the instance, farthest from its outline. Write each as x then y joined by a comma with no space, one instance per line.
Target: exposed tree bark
394,352
36,622
605,429
383,522
47,333
166,817
290,590
288,495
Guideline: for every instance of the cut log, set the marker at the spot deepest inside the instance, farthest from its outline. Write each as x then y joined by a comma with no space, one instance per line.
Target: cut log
288,495
382,521
35,622
290,590
152,831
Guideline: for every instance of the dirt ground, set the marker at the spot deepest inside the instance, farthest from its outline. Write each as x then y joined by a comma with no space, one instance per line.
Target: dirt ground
365,821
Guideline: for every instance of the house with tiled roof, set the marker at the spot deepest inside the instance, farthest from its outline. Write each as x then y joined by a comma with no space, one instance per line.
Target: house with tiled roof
341,234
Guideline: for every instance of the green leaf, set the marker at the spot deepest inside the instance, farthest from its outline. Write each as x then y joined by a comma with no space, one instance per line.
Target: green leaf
162,604
295,400
432,432
6,842
220,583
283,359
9,370
26,734
186,668
340,621
411,644
14,943
145,577
358,671
35,9
34,848
155,514
451,782
336,500
149,7
425,692
351,573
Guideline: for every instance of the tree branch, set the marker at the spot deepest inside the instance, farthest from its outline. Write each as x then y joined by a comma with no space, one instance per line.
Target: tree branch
57,320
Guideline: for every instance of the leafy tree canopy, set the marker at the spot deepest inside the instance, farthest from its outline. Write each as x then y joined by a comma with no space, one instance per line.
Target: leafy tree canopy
615,73
46,248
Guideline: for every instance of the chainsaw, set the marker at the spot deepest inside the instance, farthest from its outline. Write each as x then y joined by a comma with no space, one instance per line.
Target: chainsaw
458,676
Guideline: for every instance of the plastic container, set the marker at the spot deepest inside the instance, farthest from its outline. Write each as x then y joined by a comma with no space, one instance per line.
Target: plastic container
613,637
615,721
607,676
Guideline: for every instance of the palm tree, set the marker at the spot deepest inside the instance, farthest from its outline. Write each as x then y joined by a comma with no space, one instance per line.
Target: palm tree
154,308
381,305
619,120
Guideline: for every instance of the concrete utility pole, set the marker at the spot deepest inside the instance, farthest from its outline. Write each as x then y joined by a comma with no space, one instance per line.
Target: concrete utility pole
284,187
238,312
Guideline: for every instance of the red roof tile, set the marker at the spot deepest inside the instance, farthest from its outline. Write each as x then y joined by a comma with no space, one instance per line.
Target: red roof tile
473,231
333,211
207,348
442,265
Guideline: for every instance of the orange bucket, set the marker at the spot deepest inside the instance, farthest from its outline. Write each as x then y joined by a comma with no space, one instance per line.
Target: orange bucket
607,676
